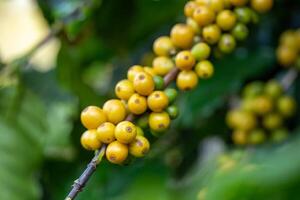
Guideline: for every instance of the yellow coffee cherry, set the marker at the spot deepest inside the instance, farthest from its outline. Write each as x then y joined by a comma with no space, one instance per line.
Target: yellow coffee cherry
262,6
124,89
289,39
216,5
137,104
125,132
240,137
211,33
262,105
114,110
182,36
272,121
203,15
92,117
159,122
202,2
241,120
106,132
162,65
193,24
116,152
226,20
143,83
133,71
150,71
189,8
139,147
163,46
238,2
286,55
227,4
287,106
157,101
89,140
204,69
187,80
185,60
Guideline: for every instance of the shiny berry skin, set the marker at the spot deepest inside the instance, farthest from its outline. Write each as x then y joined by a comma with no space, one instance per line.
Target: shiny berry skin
203,15
114,110
193,24
163,46
201,51
116,152
187,80
89,140
238,2
185,60
262,105
211,34
162,65
159,122
243,14
106,132
262,6
286,55
273,89
132,71
240,32
189,8
204,69
171,94
257,136
226,20
137,104
272,121
182,36
92,117
143,83
139,147
240,137
159,82
173,111
150,71
286,105
125,132
227,43
216,5
157,101
124,89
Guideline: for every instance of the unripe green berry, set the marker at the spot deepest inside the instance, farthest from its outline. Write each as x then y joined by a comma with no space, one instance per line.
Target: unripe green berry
286,105
240,32
244,14
159,82
272,121
227,43
273,89
173,111
257,136
201,51
171,94
253,89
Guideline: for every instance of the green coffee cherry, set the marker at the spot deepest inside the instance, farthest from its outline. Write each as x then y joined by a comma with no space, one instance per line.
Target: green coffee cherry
272,121
171,94
286,105
244,14
159,82
173,111
227,43
253,89
201,51
257,136
240,32
273,89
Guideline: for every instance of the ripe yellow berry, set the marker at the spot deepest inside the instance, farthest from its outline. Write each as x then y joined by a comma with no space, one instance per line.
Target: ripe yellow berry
137,104
139,147
262,105
185,60
157,101
286,105
162,65
241,120
125,132
286,55
203,15
106,132
89,140
262,6
114,110
187,80
150,71
238,2
143,83
226,20
272,121
189,8
116,152
239,137
211,33
193,24
289,39
133,71
159,122
124,89
182,36
163,46
92,117
204,69
216,5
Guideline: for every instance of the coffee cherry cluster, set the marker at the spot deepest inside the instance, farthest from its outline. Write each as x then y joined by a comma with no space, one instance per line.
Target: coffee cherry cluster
144,99
288,52
261,115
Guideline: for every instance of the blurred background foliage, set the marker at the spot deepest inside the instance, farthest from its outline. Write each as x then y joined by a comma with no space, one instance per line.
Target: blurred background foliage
40,103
